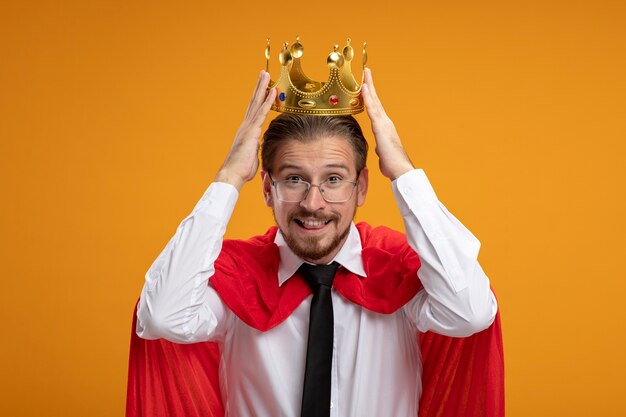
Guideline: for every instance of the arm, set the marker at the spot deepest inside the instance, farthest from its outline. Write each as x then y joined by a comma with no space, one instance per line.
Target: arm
456,300
176,301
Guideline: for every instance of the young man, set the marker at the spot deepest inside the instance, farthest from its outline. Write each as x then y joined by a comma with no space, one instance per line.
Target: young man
250,297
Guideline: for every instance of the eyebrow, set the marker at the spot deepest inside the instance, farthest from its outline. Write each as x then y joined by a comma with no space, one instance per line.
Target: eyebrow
293,166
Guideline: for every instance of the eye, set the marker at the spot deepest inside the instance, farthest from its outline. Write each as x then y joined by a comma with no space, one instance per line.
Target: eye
294,178
333,179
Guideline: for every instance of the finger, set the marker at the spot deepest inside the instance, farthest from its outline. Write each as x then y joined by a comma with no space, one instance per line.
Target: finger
370,83
259,92
262,82
256,87
267,105
367,98
373,107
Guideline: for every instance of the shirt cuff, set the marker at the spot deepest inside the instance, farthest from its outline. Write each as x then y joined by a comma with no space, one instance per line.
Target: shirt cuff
412,190
218,201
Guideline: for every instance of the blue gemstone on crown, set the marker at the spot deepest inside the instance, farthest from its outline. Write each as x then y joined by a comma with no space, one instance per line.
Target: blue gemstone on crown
281,96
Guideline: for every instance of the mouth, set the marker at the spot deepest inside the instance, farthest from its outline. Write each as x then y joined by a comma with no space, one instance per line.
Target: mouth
312,224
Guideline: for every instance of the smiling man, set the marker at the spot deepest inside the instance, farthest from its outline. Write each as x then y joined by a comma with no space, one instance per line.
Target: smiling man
320,316
314,218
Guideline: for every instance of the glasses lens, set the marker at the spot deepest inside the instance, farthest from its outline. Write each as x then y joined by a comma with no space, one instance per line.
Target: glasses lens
337,191
332,191
291,191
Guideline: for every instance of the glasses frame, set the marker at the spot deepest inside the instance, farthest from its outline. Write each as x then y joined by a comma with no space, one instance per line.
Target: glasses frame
309,185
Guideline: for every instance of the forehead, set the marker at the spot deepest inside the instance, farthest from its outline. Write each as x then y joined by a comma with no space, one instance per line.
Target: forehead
318,154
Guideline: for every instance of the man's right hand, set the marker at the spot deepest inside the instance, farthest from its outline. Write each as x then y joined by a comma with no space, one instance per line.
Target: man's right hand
242,161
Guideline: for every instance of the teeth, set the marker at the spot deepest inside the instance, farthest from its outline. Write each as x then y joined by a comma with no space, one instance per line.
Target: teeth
313,223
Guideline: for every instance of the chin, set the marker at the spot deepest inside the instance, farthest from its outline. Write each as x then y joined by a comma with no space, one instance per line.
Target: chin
316,248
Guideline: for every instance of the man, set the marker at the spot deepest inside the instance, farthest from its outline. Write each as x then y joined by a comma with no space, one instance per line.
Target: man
250,297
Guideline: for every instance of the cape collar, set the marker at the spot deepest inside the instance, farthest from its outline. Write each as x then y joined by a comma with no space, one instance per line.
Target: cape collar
349,256
246,276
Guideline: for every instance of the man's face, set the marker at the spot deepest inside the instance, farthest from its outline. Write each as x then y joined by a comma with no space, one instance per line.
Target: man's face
313,228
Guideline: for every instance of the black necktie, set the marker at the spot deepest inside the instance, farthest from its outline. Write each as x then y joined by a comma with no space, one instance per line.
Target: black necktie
319,353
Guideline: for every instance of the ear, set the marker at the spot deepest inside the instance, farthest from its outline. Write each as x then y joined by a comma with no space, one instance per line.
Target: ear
361,187
267,188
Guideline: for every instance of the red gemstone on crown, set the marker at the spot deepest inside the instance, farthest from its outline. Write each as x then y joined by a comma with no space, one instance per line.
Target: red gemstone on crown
333,100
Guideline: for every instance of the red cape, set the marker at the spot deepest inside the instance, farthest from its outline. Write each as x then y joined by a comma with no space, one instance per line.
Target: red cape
461,376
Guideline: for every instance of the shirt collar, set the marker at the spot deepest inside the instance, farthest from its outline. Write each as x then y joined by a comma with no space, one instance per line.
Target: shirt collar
349,256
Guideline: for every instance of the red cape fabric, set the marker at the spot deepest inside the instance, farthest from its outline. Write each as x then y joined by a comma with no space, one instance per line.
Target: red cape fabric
461,376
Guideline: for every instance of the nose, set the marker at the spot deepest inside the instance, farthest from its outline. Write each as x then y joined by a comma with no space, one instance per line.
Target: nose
313,200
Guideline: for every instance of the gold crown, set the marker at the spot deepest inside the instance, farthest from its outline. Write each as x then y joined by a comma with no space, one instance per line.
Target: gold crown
297,93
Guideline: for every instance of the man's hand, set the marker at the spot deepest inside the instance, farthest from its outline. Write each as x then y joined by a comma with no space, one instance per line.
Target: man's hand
392,157
242,161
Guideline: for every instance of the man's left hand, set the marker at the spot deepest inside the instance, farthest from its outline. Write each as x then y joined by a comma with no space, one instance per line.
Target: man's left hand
392,157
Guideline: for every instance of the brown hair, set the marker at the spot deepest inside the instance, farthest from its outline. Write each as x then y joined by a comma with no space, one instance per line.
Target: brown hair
307,128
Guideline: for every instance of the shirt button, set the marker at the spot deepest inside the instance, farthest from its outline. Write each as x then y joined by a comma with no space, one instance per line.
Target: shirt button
331,404
407,190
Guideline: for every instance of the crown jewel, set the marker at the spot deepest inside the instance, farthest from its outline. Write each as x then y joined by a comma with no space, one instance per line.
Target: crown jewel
297,93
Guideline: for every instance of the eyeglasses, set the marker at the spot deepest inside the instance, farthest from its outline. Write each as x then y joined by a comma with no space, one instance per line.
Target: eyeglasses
295,190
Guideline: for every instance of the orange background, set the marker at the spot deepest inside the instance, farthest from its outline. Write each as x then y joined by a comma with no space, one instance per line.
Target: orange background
115,115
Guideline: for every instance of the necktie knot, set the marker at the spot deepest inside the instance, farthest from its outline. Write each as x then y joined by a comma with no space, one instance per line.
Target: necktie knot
316,275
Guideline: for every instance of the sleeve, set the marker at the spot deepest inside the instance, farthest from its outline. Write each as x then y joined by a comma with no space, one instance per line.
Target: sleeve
456,299
176,302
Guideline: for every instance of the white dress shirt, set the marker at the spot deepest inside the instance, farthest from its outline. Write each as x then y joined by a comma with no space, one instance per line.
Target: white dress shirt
376,369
